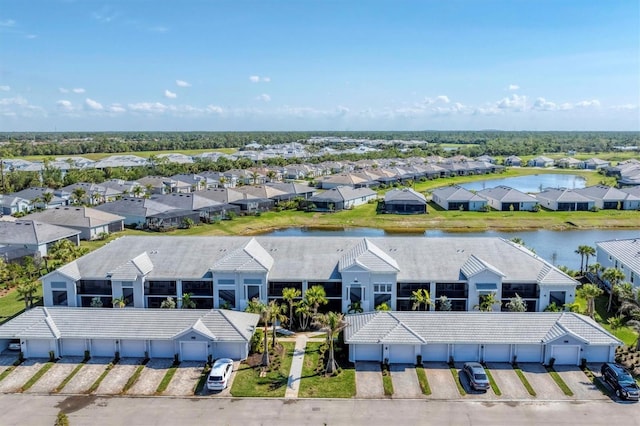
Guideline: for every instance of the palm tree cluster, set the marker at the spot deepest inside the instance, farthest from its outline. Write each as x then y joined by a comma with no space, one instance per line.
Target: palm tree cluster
585,252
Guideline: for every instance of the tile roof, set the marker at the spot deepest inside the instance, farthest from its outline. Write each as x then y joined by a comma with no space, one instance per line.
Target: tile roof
32,232
370,257
77,216
626,251
505,194
474,265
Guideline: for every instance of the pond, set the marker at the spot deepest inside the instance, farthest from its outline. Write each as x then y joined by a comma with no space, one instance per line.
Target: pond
531,183
557,247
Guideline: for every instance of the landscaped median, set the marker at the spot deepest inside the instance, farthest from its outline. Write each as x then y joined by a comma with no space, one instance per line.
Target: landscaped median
314,383
251,381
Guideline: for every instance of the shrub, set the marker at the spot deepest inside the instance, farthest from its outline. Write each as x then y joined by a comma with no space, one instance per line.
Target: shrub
551,362
87,356
52,356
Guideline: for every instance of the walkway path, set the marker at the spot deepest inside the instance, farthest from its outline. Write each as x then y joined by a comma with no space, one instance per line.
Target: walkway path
293,384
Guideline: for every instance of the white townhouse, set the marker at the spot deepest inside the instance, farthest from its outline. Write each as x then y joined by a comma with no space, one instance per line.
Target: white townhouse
623,255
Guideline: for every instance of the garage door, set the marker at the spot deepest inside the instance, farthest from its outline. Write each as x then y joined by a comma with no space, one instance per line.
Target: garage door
497,353
435,352
566,355
132,348
367,352
404,354
38,348
73,347
597,353
227,350
465,352
529,353
103,347
162,349
193,351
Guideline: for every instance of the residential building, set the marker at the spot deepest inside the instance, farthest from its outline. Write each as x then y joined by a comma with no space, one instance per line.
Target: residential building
404,201
541,161
91,223
455,197
33,237
513,160
564,199
342,198
605,197
504,198
623,255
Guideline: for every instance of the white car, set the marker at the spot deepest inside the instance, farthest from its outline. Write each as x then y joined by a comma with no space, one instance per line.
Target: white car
14,345
220,374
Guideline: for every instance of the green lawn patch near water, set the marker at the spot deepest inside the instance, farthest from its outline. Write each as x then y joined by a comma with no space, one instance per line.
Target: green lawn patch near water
316,385
248,382
626,334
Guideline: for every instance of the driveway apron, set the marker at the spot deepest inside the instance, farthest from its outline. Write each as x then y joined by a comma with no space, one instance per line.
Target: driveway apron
508,381
405,381
579,383
118,376
369,380
226,391
151,376
87,375
184,381
56,374
7,361
21,374
542,382
441,381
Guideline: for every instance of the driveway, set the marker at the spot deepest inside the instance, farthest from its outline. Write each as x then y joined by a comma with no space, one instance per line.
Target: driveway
508,381
21,374
579,383
186,378
441,381
87,375
542,382
151,376
7,359
405,381
226,391
56,374
472,393
118,376
369,380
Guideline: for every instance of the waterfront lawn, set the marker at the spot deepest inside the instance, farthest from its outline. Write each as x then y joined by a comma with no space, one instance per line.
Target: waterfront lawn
314,384
249,383
626,334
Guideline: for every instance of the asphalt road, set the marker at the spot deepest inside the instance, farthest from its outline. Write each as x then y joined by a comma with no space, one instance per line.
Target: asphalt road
95,411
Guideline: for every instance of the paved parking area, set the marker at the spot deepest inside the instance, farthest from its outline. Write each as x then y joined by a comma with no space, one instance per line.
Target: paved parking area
227,390
19,376
542,382
118,376
151,376
185,379
579,383
441,381
369,380
82,381
405,381
6,360
56,374
508,381
472,393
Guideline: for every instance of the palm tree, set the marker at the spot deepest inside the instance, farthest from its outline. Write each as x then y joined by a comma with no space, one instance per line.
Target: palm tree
137,191
290,294
516,304
119,302
383,307
445,303
613,276
46,198
590,292
487,302
96,302
332,323
583,251
255,306
314,297
78,194
27,291
588,251
276,314
303,310
187,301
594,268
420,297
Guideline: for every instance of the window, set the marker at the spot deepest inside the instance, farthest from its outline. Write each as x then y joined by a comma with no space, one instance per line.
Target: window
407,289
331,289
252,292
59,298
167,288
451,290
356,294
59,285
127,294
226,282
252,281
275,288
227,298
382,288
198,288
98,287
526,291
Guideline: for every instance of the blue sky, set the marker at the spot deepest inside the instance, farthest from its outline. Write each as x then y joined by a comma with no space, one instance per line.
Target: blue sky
319,65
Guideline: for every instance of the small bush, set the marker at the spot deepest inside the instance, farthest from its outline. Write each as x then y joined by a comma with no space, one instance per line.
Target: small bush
52,356
87,356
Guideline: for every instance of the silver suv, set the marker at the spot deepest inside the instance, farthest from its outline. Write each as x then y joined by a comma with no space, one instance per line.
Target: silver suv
477,376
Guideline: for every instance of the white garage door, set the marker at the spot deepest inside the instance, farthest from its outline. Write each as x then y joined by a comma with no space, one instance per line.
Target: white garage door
566,355
597,353
465,352
132,348
38,348
162,349
193,351
402,354
497,353
228,350
73,347
367,352
103,347
528,353
435,352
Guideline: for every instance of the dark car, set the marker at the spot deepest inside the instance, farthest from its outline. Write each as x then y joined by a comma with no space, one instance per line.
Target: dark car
477,376
620,380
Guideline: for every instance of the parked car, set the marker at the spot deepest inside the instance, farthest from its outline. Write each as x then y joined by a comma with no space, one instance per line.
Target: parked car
477,376
14,345
220,374
620,380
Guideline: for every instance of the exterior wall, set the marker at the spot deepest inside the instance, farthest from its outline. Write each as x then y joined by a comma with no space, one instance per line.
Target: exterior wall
365,279
47,290
475,206
631,205
485,277
545,290
138,292
239,279
565,340
609,261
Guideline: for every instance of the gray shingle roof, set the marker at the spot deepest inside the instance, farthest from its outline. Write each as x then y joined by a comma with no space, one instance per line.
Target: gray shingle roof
406,194
505,194
456,193
562,195
32,232
129,323
370,257
626,251
474,265
75,216
472,327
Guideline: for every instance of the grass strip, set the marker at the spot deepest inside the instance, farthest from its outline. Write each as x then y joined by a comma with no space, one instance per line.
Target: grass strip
556,378
164,383
134,377
69,377
598,383
8,371
387,383
315,384
524,381
99,380
422,379
203,379
493,383
36,376
456,378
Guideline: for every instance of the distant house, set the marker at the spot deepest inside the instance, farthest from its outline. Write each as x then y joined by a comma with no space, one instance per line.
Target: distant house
487,159
11,204
164,185
455,197
90,222
605,197
564,200
135,210
504,198
632,201
540,161
35,237
568,163
36,194
513,160
594,164
294,190
623,255
404,201
341,198
343,179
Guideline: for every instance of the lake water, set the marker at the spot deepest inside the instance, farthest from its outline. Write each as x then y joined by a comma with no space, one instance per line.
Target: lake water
557,247
531,183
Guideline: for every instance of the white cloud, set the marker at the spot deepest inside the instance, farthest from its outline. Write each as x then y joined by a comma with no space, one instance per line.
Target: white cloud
63,90
93,105
443,98
5,88
514,102
170,95
514,87
182,83
18,100
258,79
116,108
214,109
19,106
65,105
587,104
438,99
78,90
264,98
266,79
7,23
624,107
148,107
541,104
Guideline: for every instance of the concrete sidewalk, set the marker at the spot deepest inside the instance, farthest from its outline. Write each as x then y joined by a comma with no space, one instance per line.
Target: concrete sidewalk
293,384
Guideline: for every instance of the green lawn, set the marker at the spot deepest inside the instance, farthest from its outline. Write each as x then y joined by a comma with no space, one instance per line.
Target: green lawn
314,385
626,334
10,304
143,154
248,382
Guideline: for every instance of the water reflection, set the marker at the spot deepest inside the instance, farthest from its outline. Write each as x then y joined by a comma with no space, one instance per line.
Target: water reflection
530,183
